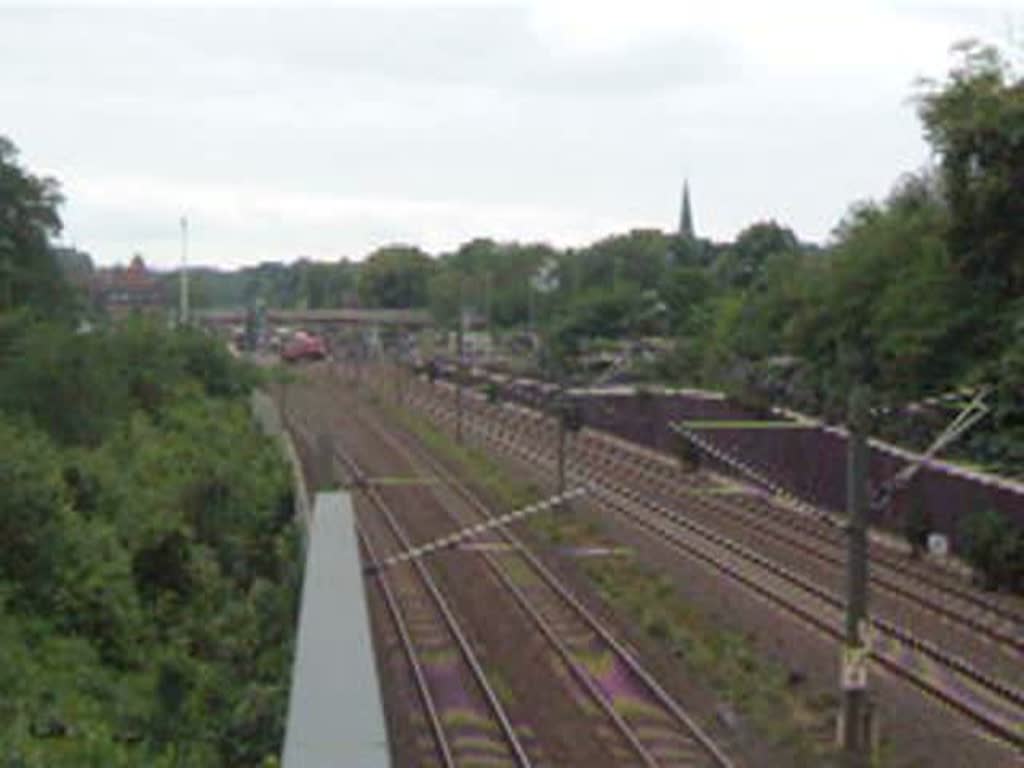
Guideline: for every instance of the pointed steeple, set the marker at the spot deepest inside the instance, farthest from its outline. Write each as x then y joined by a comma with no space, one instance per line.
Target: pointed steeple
686,230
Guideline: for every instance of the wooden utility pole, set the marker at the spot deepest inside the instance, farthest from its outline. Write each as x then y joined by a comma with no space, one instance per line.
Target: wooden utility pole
854,728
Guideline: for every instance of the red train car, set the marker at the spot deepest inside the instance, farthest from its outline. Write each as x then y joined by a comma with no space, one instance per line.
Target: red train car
303,346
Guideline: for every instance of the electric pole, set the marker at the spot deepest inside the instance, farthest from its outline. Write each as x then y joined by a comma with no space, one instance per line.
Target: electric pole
459,365
854,664
530,310
489,300
183,293
563,414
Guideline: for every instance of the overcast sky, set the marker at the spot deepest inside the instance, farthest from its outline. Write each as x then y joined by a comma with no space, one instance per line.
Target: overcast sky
328,132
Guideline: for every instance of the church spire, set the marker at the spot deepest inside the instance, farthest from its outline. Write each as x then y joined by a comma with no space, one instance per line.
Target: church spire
686,216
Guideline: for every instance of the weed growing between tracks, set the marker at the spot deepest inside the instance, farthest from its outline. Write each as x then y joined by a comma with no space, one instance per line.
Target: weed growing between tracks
472,463
760,690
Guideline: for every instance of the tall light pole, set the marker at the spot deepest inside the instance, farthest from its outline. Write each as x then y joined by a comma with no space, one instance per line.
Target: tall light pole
460,364
183,291
489,300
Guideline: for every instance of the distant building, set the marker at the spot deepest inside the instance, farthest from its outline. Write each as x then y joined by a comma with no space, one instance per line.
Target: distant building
134,289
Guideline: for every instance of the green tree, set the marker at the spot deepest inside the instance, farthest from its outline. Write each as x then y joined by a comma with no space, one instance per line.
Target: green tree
640,256
973,121
29,273
495,280
599,313
395,277
742,263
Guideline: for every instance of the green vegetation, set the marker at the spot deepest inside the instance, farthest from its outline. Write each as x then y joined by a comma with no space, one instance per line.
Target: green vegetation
486,474
150,567
995,548
29,269
726,661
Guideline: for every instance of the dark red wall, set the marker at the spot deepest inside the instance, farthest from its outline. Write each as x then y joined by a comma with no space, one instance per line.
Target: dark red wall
810,462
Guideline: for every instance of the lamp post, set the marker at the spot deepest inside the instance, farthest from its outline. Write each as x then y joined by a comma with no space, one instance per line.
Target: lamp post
183,287
459,364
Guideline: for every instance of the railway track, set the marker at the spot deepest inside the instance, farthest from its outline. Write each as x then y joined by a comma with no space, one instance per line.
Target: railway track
651,728
806,537
798,524
982,697
466,721
792,536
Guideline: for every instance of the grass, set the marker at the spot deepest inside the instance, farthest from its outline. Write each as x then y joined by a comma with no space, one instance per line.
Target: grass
486,473
759,689
725,661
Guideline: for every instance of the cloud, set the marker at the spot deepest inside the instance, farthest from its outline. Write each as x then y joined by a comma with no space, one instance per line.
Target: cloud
325,225
332,130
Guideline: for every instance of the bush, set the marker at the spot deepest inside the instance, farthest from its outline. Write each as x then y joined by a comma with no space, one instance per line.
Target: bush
917,524
148,588
994,546
689,455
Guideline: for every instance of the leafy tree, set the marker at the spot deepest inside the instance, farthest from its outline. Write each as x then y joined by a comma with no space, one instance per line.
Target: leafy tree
639,257
395,277
598,313
29,273
150,603
687,292
31,510
742,263
973,121
995,547
890,294
494,277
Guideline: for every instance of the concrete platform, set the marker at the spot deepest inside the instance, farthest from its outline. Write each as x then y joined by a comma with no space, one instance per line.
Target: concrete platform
335,717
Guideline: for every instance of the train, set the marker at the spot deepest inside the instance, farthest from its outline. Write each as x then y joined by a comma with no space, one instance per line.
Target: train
303,346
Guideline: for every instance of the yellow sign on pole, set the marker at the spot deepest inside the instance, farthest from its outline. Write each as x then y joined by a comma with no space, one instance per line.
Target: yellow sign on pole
854,668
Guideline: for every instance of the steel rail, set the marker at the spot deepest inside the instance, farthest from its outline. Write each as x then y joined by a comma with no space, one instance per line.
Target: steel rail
422,688
519,754
651,467
356,477
786,536
677,712
960,666
820,516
